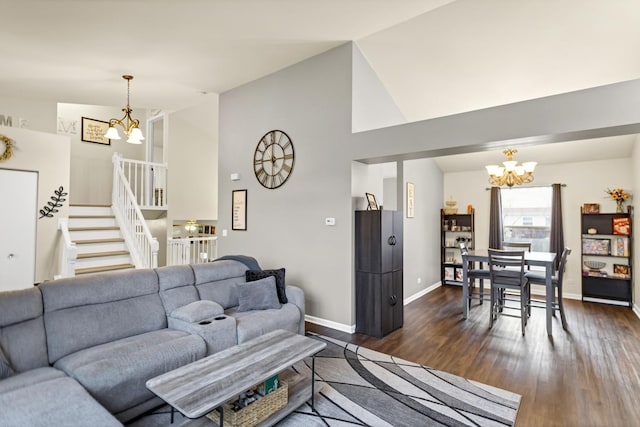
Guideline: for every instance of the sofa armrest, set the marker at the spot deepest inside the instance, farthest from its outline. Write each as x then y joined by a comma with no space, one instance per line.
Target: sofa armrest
295,295
197,311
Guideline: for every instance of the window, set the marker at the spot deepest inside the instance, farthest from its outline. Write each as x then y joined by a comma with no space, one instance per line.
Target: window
526,216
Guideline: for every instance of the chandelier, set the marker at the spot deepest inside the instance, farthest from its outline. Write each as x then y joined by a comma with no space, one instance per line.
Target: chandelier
511,173
134,134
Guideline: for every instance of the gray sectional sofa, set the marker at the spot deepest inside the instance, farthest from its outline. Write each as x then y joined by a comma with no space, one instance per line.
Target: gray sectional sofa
78,351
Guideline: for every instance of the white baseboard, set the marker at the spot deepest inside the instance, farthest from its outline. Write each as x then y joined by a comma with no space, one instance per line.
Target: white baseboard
636,310
606,301
422,293
350,329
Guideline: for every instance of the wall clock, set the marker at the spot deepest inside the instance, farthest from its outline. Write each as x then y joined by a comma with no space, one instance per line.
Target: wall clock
273,159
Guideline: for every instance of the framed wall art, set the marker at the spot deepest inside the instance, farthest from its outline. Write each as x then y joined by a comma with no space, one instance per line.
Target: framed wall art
410,198
239,210
93,131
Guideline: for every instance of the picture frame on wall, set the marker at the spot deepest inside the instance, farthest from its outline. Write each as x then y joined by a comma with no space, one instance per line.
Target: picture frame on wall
94,130
371,202
239,210
410,199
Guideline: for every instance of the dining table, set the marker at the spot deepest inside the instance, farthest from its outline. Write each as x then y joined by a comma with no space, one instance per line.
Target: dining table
537,259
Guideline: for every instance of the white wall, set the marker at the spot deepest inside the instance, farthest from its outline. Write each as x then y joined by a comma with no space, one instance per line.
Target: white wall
91,164
586,183
192,160
48,154
422,232
29,114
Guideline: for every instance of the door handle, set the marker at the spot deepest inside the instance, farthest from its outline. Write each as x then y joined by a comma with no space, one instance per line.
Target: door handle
392,240
393,300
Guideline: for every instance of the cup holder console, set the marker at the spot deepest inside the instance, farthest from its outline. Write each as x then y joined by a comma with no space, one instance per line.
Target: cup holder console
207,322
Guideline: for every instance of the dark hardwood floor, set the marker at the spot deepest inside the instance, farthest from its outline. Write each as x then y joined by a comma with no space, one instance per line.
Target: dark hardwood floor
588,375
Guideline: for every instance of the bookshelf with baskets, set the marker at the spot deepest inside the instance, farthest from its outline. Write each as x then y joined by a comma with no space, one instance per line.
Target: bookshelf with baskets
456,228
606,257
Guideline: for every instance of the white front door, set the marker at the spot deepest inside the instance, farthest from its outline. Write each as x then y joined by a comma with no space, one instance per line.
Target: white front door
18,222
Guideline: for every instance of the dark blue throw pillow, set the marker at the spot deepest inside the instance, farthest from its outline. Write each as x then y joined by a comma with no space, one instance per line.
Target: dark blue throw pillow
253,275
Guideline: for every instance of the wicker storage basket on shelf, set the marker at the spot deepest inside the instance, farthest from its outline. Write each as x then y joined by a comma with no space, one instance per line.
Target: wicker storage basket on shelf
254,413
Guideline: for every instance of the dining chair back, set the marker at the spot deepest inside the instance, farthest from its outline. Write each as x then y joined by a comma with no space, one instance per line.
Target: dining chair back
506,272
536,278
474,274
517,246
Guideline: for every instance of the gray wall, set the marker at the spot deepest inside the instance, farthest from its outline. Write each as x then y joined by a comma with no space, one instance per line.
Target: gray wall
312,102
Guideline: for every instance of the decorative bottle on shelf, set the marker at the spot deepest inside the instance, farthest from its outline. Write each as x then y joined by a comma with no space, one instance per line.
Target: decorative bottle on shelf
619,207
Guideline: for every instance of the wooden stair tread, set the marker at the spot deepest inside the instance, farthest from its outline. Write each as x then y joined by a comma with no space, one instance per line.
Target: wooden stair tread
90,241
104,268
100,254
94,228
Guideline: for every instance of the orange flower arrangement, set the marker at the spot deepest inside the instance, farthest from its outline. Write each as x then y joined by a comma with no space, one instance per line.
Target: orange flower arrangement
618,194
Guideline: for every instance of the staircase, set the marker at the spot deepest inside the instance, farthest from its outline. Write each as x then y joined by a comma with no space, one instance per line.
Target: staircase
98,239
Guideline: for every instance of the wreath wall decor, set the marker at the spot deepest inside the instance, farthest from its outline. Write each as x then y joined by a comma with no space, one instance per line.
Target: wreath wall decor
8,148
56,202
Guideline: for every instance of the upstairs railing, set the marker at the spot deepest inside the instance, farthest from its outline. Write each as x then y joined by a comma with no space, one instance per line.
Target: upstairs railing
142,246
191,250
148,182
69,250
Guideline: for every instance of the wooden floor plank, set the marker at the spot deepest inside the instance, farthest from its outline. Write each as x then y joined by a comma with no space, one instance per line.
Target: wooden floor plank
588,375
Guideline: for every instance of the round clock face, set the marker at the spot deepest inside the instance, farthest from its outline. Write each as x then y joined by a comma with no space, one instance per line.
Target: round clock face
273,159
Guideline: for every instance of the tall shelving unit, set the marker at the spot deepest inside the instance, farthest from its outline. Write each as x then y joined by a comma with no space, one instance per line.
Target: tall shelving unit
453,230
607,238
378,272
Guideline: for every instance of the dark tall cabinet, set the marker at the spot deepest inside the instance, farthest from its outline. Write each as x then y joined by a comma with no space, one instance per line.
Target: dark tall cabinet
378,251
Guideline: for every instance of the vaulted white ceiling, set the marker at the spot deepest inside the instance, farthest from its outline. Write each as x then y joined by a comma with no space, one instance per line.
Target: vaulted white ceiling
435,57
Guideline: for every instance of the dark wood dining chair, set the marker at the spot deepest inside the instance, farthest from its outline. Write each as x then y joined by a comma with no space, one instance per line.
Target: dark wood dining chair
474,274
506,272
536,278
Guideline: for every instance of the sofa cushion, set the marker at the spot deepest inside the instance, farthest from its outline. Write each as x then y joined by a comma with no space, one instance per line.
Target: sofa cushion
252,324
85,311
22,334
6,370
177,286
59,401
252,275
197,311
258,295
28,378
115,373
217,281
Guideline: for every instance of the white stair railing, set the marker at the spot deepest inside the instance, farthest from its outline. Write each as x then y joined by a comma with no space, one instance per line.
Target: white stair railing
191,250
143,247
69,250
148,182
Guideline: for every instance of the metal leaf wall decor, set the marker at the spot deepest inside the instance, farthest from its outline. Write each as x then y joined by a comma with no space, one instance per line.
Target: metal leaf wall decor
56,202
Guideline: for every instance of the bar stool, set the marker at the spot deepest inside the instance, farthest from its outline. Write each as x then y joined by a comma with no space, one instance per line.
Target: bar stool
506,271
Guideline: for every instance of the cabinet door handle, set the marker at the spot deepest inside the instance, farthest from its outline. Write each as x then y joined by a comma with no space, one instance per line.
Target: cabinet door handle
393,300
391,241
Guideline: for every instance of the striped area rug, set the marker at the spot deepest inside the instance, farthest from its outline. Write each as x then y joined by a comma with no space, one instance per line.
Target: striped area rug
368,388
362,387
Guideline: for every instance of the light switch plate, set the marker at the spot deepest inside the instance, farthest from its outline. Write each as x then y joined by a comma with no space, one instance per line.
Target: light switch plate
330,221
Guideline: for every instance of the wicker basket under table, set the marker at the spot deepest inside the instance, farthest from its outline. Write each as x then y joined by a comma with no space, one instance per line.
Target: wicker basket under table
254,413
